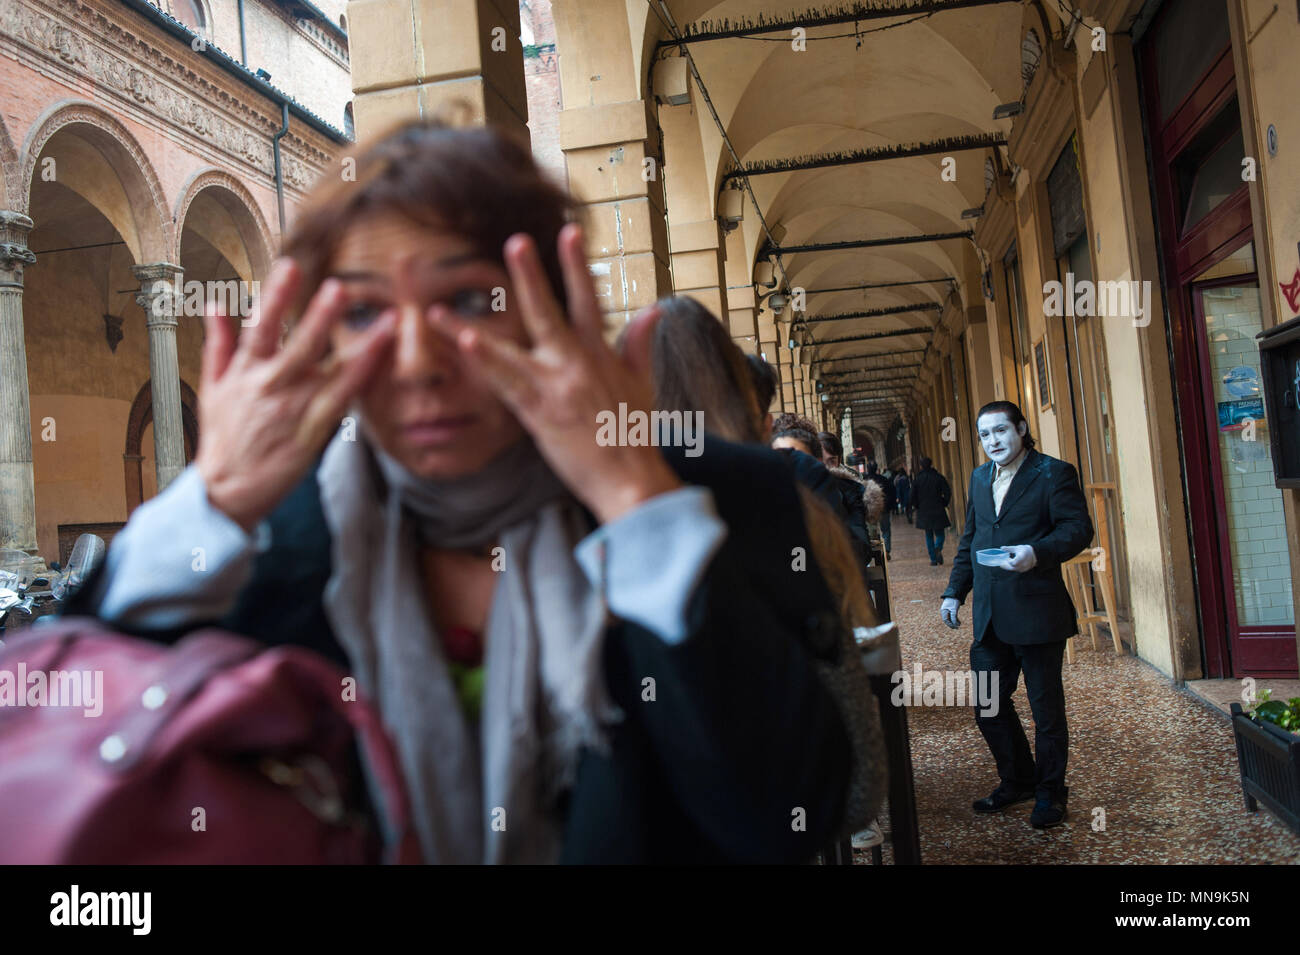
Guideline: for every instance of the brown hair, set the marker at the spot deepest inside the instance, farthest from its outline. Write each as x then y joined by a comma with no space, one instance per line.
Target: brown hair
697,367
764,378
479,183
836,560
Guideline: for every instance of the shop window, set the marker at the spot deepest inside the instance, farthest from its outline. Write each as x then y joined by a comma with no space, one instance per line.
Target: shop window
1016,302
1208,171
1192,37
1065,199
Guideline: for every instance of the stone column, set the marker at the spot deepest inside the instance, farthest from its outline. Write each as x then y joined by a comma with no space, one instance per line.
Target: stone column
17,481
697,261
160,298
414,58
611,151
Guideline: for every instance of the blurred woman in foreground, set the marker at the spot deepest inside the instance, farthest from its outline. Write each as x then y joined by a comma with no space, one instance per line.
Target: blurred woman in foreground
583,652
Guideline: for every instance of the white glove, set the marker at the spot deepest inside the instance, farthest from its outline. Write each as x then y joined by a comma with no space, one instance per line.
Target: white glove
948,610
1021,557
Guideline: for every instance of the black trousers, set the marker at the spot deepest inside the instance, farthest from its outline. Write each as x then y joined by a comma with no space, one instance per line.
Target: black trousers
1018,769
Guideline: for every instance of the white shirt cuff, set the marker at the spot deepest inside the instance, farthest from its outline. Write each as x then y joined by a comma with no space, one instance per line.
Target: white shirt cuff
178,560
649,562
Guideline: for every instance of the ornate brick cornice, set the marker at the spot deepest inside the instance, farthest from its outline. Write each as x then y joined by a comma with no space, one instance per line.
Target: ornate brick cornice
123,59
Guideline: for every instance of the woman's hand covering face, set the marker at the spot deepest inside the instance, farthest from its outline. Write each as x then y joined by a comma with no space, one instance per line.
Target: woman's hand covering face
566,375
266,411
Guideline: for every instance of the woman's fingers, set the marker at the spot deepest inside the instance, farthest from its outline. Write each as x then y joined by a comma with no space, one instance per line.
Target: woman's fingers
584,306
638,339
310,339
505,366
536,299
348,374
218,347
262,336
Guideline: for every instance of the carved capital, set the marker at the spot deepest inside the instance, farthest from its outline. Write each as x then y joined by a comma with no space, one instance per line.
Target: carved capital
160,292
14,254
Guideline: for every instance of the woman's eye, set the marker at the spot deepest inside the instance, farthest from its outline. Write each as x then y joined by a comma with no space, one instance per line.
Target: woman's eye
472,301
360,314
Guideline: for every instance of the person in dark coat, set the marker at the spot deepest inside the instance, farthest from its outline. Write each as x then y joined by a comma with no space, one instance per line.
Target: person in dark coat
1031,506
796,438
852,492
930,496
903,490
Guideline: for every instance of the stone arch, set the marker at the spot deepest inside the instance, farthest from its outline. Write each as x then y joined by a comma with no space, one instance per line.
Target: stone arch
149,236
235,198
141,415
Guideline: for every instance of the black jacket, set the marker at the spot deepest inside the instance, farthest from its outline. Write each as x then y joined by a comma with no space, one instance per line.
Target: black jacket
930,496
815,476
742,730
1045,508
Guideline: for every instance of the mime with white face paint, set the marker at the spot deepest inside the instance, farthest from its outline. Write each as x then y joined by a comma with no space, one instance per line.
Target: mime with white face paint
1027,512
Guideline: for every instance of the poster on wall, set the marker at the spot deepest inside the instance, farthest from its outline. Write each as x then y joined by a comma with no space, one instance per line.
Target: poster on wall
1233,414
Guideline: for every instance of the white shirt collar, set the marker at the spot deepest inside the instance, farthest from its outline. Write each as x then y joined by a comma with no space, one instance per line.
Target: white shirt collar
1011,468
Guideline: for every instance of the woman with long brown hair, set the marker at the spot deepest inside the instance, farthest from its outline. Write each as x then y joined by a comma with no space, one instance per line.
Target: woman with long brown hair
580,650
699,369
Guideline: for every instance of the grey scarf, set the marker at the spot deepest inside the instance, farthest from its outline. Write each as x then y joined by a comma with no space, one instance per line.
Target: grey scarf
487,796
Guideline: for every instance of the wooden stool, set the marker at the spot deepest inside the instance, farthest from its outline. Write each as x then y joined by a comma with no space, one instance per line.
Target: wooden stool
1077,585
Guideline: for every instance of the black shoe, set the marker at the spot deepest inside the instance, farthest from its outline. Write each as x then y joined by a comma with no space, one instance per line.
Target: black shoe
1048,812
934,563
941,558
1000,799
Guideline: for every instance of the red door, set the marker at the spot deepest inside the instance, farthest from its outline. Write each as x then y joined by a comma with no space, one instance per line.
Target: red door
1242,565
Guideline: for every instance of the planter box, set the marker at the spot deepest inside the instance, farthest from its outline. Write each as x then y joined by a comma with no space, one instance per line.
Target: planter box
1269,758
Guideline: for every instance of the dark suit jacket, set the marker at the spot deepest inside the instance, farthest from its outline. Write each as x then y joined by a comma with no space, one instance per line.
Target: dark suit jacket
742,729
1044,508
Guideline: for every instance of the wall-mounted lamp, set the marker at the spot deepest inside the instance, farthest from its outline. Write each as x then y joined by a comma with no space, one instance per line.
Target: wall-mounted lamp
975,213
1007,110
731,208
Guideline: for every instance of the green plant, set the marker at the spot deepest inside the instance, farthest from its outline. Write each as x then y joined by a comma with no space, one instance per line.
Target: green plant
1285,715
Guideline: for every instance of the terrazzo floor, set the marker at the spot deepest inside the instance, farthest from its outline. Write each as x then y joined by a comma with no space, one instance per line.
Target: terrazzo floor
1158,763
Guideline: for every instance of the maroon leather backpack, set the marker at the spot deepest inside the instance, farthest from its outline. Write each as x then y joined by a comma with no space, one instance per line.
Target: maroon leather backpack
216,750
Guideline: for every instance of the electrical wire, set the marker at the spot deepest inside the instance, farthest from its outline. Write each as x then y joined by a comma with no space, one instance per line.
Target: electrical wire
857,34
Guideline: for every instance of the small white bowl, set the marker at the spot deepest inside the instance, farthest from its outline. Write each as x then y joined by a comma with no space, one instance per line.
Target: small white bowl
993,557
